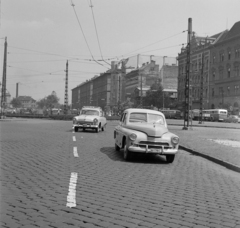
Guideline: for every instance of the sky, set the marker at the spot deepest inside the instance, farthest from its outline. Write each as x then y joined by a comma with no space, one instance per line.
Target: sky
42,35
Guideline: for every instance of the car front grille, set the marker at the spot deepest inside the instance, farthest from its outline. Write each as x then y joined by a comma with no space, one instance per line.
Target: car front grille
85,122
153,145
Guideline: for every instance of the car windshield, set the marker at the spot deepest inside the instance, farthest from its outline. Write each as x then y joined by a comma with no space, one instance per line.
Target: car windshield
146,117
90,112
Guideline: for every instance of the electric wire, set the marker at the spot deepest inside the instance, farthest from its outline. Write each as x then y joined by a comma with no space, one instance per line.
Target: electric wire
154,43
84,34
91,6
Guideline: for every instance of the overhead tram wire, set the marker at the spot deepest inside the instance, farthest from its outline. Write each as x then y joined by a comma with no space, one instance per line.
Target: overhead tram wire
85,36
154,43
91,6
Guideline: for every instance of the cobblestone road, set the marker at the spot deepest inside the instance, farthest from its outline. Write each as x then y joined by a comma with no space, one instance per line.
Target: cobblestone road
38,158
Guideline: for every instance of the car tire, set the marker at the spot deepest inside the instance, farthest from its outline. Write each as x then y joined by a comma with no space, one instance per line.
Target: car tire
170,158
117,148
127,155
103,128
76,129
97,130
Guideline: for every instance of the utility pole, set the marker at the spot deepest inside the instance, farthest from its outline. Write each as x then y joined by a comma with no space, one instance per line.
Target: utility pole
119,92
162,79
187,81
66,91
4,79
17,89
201,86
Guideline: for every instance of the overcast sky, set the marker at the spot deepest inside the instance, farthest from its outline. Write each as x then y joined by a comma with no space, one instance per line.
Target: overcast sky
43,34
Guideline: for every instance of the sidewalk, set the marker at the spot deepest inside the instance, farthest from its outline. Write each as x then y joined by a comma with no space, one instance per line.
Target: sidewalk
218,142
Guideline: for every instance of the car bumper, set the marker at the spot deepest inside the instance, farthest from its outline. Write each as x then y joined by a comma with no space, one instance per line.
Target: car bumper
85,126
162,150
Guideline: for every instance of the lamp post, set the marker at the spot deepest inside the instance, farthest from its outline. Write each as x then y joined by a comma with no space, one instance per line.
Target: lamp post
162,79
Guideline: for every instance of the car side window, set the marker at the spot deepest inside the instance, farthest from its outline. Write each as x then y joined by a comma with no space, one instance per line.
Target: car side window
121,119
101,114
124,118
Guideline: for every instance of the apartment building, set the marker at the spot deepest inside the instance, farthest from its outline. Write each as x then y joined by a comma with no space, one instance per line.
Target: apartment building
214,70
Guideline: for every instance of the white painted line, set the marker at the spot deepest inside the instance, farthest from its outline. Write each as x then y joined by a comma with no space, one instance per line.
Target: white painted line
75,153
71,197
74,138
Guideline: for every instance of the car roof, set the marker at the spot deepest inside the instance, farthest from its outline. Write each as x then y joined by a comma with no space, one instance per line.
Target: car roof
92,108
131,110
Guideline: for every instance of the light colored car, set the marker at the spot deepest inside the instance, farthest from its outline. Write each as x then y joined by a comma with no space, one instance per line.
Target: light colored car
145,131
90,117
232,119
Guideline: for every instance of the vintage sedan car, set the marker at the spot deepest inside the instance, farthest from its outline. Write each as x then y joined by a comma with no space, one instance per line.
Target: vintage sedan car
90,117
145,131
232,119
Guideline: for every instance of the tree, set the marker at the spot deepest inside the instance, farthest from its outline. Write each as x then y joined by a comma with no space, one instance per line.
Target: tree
16,103
49,102
154,96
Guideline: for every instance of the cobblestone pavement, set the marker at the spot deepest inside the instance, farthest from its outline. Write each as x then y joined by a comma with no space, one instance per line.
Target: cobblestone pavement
37,160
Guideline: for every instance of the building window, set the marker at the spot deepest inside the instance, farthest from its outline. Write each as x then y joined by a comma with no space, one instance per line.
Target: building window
228,90
214,59
221,57
236,89
229,55
213,76
213,92
220,91
229,72
237,52
236,70
221,74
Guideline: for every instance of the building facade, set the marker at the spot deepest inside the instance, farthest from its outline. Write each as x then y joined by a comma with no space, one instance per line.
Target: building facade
141,79
214,71
225,71
93,92
27,102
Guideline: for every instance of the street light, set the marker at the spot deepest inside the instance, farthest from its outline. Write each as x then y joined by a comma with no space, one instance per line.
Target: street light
162,78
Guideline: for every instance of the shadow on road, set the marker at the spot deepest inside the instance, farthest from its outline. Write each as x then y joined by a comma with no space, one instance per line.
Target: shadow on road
137,158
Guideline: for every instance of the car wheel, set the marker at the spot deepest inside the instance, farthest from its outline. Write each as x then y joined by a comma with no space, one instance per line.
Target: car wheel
126,153
170,158
97,129
76,129
117,148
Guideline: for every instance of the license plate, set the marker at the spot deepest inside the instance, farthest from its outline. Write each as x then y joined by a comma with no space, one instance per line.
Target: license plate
85,125
155,150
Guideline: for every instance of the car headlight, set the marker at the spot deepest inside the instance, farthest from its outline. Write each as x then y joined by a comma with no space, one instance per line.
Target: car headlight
95,121
133,137
74,120
175,140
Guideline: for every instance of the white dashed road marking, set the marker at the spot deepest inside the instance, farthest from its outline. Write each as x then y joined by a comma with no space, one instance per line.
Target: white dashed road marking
74,138
75,153
71,198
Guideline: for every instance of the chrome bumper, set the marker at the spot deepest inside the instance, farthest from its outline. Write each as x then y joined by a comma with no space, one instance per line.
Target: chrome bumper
162,150
85,126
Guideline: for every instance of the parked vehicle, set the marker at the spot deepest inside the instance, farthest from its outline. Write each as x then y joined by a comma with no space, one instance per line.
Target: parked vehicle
145,131
172,114
232,119
215,114
56,111
90,117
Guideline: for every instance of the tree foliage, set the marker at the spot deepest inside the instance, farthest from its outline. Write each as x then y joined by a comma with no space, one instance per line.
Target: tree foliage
16,103
48,102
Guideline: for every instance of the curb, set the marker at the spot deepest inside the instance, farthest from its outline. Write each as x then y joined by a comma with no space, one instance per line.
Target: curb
210,158
238,128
